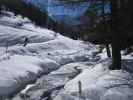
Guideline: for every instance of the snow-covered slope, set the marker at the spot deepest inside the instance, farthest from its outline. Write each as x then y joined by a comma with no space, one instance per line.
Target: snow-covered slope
45,51
100,83
19,70
69,69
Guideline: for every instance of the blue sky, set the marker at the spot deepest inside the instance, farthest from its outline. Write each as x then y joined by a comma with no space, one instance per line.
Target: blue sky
66,10
54,8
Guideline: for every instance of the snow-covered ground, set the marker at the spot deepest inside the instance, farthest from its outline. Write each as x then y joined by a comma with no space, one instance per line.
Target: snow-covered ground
55,67
44,52
99,83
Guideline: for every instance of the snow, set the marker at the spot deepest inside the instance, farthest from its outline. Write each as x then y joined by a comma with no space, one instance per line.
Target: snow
86,77
103,55
18,70
71,69
120,93
18,36
68,97
61,61
46,51
57,78
100,83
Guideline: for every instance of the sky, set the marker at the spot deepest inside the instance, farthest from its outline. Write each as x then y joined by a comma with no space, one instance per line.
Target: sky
59,12
55,8
76,10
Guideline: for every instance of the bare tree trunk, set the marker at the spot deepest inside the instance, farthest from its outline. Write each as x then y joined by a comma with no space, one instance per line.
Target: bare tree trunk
104,21
116,55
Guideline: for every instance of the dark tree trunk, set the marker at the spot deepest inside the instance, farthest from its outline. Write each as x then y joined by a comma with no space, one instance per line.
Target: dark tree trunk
104,21
116,55
0,8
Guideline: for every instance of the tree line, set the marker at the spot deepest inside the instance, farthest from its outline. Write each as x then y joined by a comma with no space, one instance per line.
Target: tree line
114,27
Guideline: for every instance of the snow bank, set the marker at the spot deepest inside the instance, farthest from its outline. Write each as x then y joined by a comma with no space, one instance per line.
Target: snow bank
54,81
46,51
88,76
41,42
57,49
100,83
14,36
68,97
72,69
14,29
19,70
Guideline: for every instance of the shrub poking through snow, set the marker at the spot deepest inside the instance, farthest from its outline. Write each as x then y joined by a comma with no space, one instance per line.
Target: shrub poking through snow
80,88
6,48
26,40
6,52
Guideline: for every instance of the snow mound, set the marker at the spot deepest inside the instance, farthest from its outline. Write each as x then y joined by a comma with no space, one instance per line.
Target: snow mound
99,83
19,70
88,76
72,69
14,29
14,36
